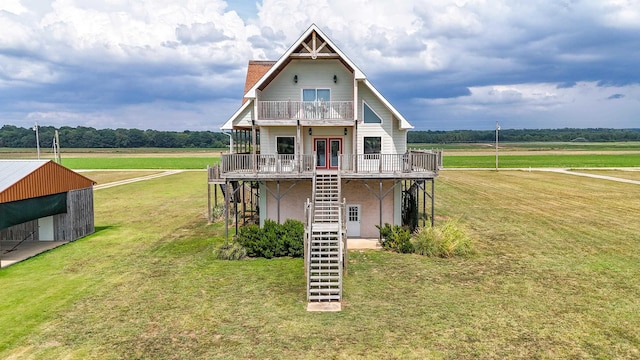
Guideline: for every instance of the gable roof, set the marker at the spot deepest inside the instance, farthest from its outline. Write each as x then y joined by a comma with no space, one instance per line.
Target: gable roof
24,179
271,68
358,74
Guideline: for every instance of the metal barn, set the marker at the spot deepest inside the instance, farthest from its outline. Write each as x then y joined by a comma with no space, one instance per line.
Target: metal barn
42,205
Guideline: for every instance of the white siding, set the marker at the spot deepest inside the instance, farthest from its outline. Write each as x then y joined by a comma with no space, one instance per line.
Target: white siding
393,140
311,74
268,137
244,119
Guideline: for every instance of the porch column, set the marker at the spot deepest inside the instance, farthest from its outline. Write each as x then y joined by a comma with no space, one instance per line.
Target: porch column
254,146
380,197
298,145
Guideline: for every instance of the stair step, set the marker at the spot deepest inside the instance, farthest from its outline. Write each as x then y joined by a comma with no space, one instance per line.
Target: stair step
324,297
324,277
325,291
325,284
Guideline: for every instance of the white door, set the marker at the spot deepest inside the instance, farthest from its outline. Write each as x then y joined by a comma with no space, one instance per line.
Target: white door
45,228
353,220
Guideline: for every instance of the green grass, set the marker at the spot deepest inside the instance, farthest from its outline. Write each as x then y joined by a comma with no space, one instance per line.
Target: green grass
140,162
555,276
535,146
541,161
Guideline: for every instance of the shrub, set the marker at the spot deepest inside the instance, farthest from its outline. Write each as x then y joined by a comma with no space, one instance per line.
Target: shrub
217,213
444,241
273,239
230,251
396,238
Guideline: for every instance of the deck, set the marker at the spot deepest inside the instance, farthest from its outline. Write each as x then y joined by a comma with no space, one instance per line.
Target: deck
410,165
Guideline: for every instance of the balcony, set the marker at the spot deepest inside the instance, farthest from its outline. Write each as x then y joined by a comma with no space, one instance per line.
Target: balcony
413,164
308,112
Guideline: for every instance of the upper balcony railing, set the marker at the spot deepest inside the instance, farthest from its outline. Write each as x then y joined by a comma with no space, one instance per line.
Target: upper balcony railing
410,162
305,110
271,165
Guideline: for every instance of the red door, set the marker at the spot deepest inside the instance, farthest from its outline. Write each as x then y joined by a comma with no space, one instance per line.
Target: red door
327,151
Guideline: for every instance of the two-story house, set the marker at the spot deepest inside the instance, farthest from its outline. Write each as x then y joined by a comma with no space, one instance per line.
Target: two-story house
315,141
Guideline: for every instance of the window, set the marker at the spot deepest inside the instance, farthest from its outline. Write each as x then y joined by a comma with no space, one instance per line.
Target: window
285,145
316,95
370,116
372,145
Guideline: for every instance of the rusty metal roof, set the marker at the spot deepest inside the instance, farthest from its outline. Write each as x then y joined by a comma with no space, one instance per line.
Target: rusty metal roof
25,179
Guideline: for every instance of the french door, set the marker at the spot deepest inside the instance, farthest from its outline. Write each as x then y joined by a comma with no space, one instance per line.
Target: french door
327,152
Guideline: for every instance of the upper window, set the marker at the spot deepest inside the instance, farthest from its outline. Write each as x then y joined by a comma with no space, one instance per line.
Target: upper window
370,116
316,94
286,145
372,145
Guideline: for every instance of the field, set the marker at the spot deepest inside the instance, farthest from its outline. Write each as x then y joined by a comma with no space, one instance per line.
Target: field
556,275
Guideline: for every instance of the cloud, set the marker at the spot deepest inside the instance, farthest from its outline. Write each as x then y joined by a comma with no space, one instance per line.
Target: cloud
444,64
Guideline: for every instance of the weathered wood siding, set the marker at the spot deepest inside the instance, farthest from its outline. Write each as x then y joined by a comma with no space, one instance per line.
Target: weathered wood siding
27,230
80,215
312,74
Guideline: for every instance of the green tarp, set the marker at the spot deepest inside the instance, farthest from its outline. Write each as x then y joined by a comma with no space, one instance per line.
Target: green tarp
17,212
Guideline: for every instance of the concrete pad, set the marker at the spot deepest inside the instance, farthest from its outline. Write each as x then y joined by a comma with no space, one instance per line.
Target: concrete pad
360,244
332,306
23,251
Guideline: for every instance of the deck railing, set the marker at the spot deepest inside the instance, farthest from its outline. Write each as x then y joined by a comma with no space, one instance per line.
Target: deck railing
411,162
305,110
267,163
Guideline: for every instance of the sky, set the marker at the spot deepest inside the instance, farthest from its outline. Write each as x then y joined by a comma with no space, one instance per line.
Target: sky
445,65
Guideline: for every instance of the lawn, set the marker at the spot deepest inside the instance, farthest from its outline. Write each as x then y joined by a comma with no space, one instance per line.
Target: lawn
573,160
181,162
556,275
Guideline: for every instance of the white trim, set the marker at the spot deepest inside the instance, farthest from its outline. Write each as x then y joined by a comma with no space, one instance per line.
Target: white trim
229,124
316,89
381,147
404,124
370,108
286,136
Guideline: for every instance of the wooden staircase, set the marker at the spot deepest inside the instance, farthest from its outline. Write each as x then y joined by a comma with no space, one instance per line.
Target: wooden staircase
325,236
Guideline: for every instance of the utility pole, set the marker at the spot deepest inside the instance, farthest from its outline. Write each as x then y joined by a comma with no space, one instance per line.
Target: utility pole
497,129
56,148
35,128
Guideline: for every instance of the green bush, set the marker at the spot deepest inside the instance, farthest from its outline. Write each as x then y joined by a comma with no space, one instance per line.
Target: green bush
273,239
230,251
396,238
444,241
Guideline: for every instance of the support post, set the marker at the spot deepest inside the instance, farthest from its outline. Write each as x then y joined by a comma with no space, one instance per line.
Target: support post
209,213
278,191
380,197
226,210
433,199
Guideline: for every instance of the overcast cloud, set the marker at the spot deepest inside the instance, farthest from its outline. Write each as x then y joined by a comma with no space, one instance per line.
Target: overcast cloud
180,65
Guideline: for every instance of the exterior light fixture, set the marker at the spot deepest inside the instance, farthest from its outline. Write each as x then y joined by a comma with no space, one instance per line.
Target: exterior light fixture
295,79
345,131
310,132
335,79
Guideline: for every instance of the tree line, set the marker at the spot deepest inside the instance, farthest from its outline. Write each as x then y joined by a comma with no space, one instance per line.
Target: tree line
524,135
88,137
